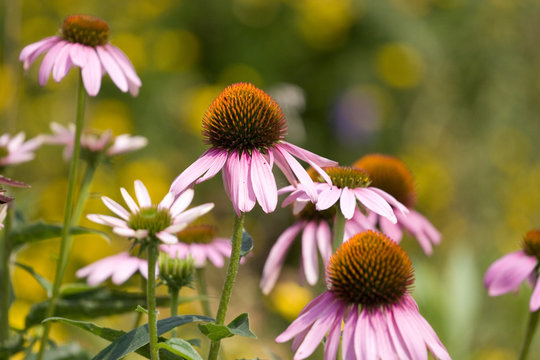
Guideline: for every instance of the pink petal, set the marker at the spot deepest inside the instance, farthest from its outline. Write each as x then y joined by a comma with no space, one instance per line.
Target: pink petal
112,68
48,62
106,220
263,182
375,203
62,64
127,68
31,52
308,156
393,231
324,241
391,200
182,202
218,162
347,203
77,53
365,345
534,304
300,173
207,161
91,72
116,208
275,259
239,184
309,253
167,201
166,237
507,273
328,197
193,213
132,205
332,341
125,270
142,194
405,327
347,341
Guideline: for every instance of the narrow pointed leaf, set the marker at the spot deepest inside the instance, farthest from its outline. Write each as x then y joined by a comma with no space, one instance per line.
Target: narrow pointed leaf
45,284
42,231
180,347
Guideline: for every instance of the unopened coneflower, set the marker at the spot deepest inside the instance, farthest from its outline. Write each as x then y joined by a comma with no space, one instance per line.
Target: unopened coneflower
145,219
119,268
92,142
390,174
200,243
83,42
315,227
15,150
368,280
245,128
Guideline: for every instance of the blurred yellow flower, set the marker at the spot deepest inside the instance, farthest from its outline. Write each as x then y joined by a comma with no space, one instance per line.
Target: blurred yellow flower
399,65
7,90
289,298
114,115
174,50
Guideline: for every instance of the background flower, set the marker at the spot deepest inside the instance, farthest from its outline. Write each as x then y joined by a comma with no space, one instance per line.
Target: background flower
119,268
14,150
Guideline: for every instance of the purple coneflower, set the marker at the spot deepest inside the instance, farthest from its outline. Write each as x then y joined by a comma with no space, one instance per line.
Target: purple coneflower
93,142
83,42
245,128
14,150
146,219
368,290
315,228
119,268
506,274
200,242
348,185
392,175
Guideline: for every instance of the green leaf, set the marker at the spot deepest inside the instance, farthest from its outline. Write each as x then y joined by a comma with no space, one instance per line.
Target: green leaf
239,326
42,231
247,243
92,303
45,284
137,338
141,310
66,352
180,347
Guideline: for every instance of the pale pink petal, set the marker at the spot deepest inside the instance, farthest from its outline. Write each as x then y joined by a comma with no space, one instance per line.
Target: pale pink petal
167,201
218,162
143,197
125,143
132,205
405,327
328,197
365,346
239,184
207,160
125,270
214,256
386,349
534,304
283,166
166,237
308,156
391,200
62,64
91,72
263,182
77,54
106,220
309,253
507,273
347,342
49,61
347,203
134,81
300,173
324,241
193,213
112,68
126,232
115,208
276,257
332,341
393,231
374,202
31,52
182,202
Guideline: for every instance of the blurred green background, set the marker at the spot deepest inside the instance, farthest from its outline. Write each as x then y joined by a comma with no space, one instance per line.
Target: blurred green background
450,86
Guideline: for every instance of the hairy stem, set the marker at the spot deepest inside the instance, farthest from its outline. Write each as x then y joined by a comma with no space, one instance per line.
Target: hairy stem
531,327
152,254
5,291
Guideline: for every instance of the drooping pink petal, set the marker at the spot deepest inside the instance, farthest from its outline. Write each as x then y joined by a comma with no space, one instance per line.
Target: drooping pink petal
328,197
203,164
218,162
112,68
241,191
31,52
300,173
309,253
134,81
62,64
48,62
125,270
143,197
404,325
507,273
347,341
307,318
365,345
534,304
332,341
347,203
393,231
91,72
166,237
385,346
324,241
375,203
391,200
77,53
214,256
275,259
263,182
308,156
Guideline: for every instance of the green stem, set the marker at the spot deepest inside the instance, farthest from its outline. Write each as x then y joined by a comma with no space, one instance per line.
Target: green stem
152,254
5,290
175,292
232,271
531,327
65,242
339,229
203,292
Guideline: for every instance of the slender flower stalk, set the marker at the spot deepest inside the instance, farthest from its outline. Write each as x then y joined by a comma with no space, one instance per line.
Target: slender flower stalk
531,328
65,242
5,279
152,255
339,229
202,290
232,270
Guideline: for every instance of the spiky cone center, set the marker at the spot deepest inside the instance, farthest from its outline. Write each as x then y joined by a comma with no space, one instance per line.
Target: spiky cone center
390,174
243,118
150,218
309,212
531,243
370,270
197,234
176,273
85,29
345,176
